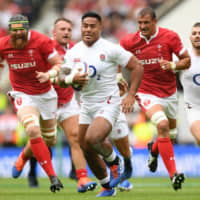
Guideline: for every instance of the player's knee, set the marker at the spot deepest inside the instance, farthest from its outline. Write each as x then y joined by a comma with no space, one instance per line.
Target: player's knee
49,135
31,124
33,132
73,138
163,128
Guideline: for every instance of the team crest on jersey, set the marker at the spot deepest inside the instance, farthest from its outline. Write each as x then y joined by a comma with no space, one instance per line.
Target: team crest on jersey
102,57
30,53
159,47
77,60
118,131
137,51
19,101
146,102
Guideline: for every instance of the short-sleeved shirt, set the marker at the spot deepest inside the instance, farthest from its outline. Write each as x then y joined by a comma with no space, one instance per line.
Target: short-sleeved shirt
103,58
161,45
190,80
24,63
64,94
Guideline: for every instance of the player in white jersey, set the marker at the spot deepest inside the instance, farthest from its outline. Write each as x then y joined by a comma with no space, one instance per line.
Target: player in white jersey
190,80
100,100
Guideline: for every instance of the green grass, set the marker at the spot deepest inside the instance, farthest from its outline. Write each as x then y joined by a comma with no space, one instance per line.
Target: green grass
144,189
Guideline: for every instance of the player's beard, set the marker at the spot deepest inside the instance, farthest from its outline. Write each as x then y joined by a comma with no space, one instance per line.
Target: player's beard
19,42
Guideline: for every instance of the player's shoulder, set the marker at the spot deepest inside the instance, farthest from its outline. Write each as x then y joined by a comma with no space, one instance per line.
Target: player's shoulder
129,39
39,36
167,32
107,45
4,40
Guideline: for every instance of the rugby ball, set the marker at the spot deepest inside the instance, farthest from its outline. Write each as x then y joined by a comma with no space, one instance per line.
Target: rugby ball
81,68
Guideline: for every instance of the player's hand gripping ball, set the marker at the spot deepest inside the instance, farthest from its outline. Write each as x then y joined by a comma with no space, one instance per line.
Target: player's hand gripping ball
81,68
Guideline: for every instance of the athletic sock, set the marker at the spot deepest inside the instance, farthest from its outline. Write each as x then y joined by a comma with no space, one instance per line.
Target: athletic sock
155,147
81,173
166,151
42,154
21,161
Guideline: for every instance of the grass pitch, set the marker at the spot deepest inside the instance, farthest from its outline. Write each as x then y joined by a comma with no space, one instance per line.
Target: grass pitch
143,189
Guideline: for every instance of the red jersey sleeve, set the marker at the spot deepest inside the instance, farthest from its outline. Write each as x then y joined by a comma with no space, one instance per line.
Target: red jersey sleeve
175,43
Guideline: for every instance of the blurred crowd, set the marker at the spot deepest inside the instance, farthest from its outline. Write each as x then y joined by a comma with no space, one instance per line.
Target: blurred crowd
30,8
119,16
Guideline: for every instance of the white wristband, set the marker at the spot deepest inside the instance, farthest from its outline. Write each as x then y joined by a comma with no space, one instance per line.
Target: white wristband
173,65
69,79
53,80
52,73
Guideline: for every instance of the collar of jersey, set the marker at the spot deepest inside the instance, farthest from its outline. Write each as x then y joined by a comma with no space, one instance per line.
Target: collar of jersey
153,36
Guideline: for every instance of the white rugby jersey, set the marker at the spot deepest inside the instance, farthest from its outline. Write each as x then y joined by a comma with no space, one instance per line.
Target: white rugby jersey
103,58
190,79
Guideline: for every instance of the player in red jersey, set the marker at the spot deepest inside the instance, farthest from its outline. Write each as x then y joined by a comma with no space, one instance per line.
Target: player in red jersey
26,53
157,95
68,108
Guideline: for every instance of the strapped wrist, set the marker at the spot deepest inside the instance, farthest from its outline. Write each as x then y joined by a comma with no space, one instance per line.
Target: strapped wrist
120,78
173,65
69,79
52,73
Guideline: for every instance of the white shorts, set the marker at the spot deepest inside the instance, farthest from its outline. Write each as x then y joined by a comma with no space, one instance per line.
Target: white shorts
193,113
120,128
170,104
68,109
108,110
45,103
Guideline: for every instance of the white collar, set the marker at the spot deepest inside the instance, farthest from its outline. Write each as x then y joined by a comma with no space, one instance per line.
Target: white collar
151,37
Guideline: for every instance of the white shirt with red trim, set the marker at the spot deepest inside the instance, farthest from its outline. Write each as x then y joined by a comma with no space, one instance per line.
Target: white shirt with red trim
102,58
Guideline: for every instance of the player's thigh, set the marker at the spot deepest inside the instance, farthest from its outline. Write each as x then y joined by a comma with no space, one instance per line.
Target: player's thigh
98,130
195,129
26,111
70,127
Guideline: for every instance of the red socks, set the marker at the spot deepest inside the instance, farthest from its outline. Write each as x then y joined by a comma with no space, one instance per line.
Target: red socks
42,154
155,147
166,151
81,173
23,156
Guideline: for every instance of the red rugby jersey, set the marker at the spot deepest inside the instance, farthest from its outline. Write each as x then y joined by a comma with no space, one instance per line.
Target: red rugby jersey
24,62
162,45
64,94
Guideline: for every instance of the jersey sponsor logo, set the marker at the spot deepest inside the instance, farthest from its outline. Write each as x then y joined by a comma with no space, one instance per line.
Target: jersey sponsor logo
196,79
150,61
23,65
92,71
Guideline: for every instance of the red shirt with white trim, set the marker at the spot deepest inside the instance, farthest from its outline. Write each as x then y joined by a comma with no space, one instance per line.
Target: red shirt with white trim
162,45
64,94
24,62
